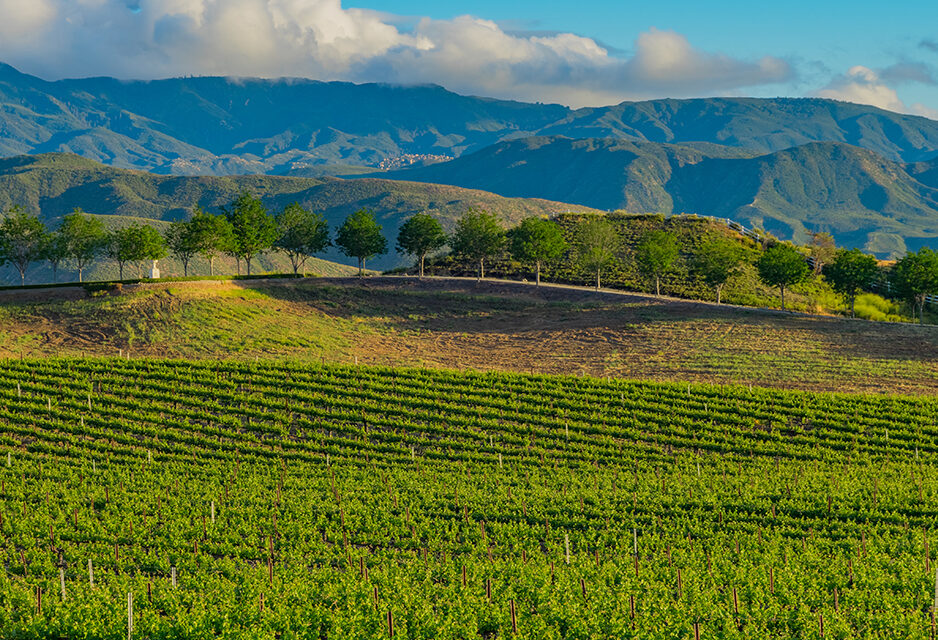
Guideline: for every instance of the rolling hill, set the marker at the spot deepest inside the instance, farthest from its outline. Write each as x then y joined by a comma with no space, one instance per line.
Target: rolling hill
863,199
54,184
222,126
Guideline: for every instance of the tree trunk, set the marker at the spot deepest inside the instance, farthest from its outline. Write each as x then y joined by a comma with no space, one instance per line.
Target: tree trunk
120,270
361,267
211,265
80,274
248,263
481,268
657,287
719,293
55,273
598,271
537,273
185,268
422,256
782,289
22,277
853,306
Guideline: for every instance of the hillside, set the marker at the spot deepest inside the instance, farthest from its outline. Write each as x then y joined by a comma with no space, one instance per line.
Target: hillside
223,126
461,324
54,184
863,199
267,500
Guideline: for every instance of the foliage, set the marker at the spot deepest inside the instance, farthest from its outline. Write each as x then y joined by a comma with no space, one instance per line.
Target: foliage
596,245
360,236
419,235
655,255
781,265
254,230
716,259
212,235
870,306
850,272
22,239
134,243
301,234
915,276
537,241
478,236
83,238
823,249
310,501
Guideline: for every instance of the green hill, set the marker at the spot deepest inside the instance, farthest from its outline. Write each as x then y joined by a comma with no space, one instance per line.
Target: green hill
860,197
54,184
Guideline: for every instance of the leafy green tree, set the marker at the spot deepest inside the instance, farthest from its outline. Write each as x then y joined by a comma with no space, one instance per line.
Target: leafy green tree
254,230
55,251
538,241
655,255
915,276
782,266
182,243
478,237
22,239
211,234
134,243
597,242
419,235
850,273
301,233
360,237
84,238
716,259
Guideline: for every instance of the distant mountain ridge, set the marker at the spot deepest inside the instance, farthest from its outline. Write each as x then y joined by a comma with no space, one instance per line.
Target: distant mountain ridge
863,199
219,126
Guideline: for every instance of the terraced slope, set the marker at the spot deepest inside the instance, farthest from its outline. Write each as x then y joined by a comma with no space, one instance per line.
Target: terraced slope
234,500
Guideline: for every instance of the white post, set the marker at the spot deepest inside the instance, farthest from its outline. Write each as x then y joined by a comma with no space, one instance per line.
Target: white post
213,512
49,407
19,390
90,574
566,544
130,615
500,465
174,577
149,456
634,541
936,590
62,581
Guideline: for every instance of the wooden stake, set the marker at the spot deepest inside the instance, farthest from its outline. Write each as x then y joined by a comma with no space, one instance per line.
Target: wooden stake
566,544
514,620
390,624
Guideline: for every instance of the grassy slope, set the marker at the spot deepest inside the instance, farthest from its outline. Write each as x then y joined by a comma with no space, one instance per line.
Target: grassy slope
488,326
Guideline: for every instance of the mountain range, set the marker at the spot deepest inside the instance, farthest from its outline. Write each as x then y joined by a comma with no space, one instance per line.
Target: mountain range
790,165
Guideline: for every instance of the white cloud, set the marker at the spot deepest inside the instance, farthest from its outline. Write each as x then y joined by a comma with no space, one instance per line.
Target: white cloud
863,85
320,39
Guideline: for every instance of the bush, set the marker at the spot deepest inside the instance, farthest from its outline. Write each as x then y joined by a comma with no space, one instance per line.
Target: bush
873,307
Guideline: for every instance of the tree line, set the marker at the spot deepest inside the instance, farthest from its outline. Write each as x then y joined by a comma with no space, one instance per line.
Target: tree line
246,229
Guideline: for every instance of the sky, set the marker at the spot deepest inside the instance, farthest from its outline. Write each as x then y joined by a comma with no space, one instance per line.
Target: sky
586,53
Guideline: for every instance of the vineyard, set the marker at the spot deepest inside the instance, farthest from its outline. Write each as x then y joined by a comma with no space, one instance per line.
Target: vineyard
172,499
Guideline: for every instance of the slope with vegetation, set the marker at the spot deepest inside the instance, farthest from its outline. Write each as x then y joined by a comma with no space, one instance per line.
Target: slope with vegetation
861,198
170,499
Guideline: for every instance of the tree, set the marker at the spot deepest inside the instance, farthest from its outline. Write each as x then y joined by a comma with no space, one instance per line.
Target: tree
822,249
301,233
478,237
536,240
211,234
84,238
851,272
55,252
716,259
419,235
182,242
915,276
655,255
22,239
597,242
134,243
360,237
781,266
254,230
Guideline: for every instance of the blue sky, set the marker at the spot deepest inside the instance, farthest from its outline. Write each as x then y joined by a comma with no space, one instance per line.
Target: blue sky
577,53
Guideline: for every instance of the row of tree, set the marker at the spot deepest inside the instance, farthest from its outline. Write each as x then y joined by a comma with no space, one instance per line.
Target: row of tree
246,229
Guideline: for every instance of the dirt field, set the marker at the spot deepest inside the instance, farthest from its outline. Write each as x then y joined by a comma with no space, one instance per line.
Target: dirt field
464,324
